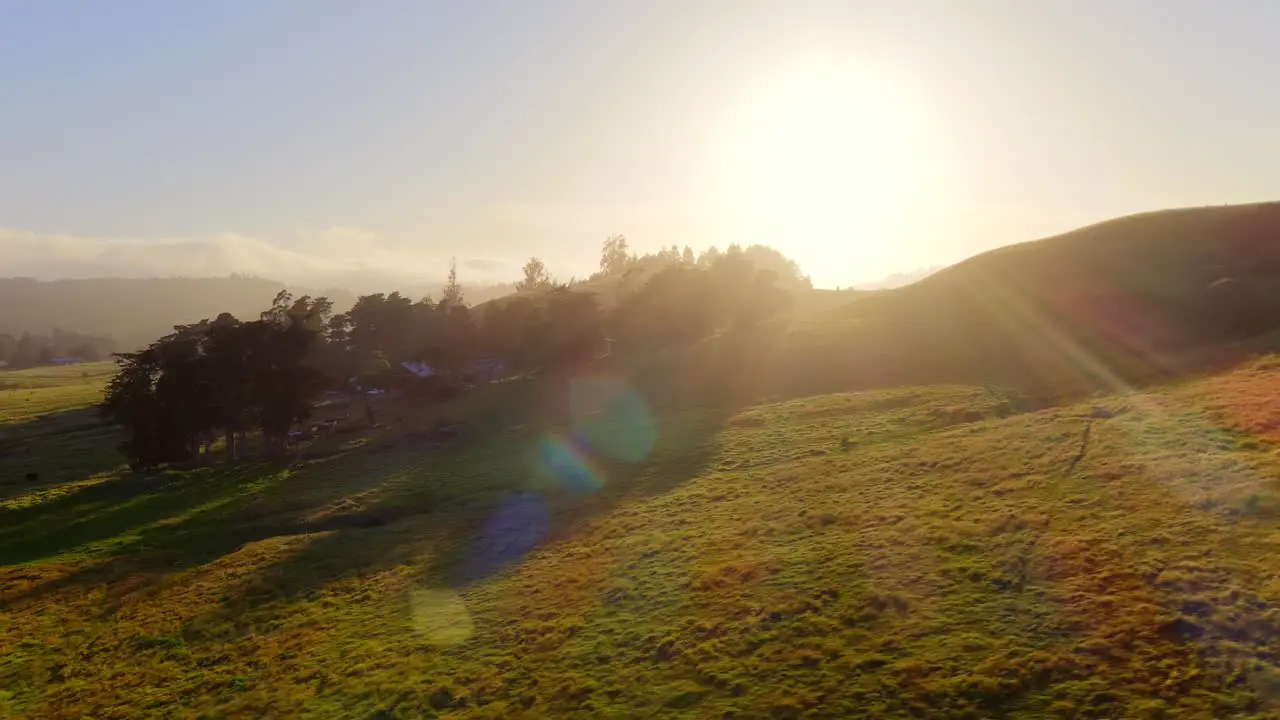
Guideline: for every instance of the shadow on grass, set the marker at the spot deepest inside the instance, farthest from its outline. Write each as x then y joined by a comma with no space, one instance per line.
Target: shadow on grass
465,532
478,505
58,448
469,505
116,510
483,507
172,520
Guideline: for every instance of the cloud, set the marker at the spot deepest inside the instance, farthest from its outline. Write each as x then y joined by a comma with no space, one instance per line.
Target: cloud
486,265
338,256
500,237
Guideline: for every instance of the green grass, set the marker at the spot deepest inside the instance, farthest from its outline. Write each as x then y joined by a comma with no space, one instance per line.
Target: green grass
29,394
48,427
915,552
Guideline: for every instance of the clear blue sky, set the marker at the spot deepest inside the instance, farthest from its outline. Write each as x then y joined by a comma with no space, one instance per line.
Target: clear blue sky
407,132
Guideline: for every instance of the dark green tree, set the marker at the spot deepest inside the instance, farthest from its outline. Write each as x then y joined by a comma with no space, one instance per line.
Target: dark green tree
223,375
375,374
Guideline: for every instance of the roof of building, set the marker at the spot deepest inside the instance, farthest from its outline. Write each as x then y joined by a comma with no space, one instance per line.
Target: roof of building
420,369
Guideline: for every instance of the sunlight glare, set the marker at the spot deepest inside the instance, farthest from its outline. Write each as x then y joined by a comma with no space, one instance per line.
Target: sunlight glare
440,616
824,161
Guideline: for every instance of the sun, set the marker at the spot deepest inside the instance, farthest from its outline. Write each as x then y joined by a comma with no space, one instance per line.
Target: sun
821,163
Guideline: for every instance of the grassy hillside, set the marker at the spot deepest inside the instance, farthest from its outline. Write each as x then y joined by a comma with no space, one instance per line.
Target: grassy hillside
1155,281
47,426
1132,301
918,551
27,394
724,529
1140,299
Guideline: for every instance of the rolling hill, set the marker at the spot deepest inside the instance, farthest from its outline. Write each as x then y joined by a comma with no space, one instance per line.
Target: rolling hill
1138,299
920,551
1131,300
891,504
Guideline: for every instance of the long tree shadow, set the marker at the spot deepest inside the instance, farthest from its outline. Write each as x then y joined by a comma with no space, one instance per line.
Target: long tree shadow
473,525
479,510
176,519
481,503
55,449
116,510
593,441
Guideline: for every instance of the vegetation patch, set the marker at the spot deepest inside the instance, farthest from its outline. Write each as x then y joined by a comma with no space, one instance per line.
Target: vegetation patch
954,559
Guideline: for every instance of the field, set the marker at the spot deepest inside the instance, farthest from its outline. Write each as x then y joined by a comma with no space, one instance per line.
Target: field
47,426
939,551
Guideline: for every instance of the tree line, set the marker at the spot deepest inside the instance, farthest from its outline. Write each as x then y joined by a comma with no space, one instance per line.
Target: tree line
222,376
225,378
28,350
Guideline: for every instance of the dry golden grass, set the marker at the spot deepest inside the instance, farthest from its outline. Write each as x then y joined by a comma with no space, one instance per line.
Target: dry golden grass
908,553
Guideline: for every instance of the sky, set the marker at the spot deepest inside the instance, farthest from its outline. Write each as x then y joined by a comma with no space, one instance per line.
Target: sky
309,139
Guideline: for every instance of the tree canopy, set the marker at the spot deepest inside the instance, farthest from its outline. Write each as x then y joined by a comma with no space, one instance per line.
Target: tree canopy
231,377
224,375
536,276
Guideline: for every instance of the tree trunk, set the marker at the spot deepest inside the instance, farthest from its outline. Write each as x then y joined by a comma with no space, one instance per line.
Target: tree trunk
231,446
242,446
368,408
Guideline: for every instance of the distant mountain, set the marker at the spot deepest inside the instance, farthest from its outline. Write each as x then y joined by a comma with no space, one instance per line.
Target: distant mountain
134,312
898,279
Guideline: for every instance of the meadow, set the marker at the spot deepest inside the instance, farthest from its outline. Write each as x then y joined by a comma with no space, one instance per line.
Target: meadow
48,427
935,551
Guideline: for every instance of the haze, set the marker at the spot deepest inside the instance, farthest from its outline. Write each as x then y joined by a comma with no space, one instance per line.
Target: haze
317,141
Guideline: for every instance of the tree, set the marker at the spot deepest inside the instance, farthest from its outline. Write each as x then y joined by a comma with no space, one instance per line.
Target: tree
282,382
452,294
392,324
452,343
26,351
676,304
502,331
375,374
536,276
230,352
615,255
155,432
226,374
334,356
709,257
84,351
569,329
786,270
687,257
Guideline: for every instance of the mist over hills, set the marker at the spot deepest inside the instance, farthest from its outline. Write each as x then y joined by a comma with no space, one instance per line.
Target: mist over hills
134,311
898,279
1153,280
336,257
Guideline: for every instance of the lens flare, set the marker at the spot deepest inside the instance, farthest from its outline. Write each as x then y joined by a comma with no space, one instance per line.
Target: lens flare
612,417
441,616
514,529
567,461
